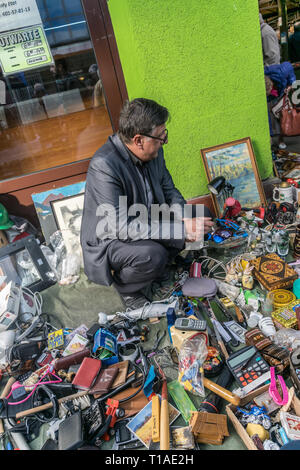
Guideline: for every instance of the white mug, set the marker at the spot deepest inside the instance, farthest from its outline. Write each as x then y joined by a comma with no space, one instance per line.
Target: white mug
283,194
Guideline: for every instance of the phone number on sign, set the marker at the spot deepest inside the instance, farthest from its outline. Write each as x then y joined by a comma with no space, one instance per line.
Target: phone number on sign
16,11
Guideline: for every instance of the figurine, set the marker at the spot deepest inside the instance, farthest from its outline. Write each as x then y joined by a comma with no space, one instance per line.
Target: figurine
232,275
247,278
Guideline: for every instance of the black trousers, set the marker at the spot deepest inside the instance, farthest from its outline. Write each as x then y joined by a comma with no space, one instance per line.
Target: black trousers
137,264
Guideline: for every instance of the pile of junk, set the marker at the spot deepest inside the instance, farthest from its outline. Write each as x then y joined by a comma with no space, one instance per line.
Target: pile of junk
219,344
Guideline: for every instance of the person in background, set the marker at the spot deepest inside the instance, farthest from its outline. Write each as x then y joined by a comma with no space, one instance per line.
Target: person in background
277,78
294,44
270,43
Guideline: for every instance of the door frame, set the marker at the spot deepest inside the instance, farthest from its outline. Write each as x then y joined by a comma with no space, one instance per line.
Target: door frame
15,193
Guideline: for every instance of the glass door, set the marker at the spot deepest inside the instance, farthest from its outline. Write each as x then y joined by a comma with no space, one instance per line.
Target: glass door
53,108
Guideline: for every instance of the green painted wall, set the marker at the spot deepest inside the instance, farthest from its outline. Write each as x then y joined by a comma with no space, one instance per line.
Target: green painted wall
202,59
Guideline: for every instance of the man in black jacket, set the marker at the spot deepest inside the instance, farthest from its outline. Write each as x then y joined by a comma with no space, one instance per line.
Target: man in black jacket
126,242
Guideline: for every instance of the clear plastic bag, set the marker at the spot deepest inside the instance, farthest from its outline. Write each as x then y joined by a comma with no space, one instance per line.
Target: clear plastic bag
287,338
191,358
65,263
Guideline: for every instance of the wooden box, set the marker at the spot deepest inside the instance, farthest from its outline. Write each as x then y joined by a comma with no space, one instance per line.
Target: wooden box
273,273
241,431
209,428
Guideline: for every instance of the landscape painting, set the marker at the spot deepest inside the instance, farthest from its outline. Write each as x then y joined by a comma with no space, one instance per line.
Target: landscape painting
42,203
236,162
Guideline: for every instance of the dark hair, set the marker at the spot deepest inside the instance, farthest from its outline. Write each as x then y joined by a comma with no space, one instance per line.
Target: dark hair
140,116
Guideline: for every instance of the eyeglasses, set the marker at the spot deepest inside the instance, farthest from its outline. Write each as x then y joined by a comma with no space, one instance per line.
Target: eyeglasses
162,139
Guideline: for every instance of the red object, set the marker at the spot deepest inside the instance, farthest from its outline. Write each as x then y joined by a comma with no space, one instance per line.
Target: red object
113,406
21,235
293,182
232,207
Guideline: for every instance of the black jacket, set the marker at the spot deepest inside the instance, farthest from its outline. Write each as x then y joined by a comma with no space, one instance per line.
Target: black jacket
112,174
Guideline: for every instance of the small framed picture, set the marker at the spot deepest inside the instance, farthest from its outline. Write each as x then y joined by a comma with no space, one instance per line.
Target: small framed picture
68,214
293,173
235,161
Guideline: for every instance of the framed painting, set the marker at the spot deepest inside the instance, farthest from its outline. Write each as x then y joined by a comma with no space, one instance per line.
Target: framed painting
235,161
42,202
68,214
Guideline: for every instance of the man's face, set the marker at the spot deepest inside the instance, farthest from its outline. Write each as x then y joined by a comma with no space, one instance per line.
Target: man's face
151,143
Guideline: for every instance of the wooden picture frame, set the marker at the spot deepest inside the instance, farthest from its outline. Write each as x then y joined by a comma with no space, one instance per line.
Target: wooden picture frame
236,162
68,214
293,173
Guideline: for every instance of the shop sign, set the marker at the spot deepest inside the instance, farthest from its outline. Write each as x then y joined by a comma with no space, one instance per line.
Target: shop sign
16,14
24,49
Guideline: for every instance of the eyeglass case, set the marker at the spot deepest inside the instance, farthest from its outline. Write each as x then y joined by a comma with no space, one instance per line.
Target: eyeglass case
199,287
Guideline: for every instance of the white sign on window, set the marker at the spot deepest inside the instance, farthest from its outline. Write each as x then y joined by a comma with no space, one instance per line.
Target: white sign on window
16,14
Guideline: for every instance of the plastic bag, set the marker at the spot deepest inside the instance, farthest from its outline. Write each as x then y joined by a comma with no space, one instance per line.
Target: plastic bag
66,264
287,338
190,369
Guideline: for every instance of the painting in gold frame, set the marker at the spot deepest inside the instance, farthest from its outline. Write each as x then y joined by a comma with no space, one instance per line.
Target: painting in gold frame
236,162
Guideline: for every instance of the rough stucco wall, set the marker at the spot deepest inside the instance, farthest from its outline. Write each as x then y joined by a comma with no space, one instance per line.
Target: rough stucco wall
201,59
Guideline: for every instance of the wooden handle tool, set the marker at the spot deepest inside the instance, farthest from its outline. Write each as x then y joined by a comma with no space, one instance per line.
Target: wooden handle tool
4,393
164,419
239,314
155,418
48,405
222,392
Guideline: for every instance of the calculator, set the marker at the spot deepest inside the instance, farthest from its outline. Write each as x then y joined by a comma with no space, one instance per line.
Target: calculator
247,365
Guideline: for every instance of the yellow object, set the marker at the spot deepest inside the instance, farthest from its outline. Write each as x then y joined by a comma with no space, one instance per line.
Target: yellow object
258,429
179,336
285,317
281,297
244,264
155,418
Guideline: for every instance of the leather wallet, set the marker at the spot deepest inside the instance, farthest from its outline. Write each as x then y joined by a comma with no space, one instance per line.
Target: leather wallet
87,373
122,373
104,380
65,362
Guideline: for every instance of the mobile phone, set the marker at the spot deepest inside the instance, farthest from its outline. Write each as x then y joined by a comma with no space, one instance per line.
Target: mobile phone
190,324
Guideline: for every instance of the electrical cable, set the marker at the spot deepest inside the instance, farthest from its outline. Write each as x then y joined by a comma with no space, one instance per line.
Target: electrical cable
51,397
35,386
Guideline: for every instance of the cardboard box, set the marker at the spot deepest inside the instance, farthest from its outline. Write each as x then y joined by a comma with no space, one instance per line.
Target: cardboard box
241,431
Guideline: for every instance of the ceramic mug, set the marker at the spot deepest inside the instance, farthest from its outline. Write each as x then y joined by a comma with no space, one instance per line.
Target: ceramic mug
283,193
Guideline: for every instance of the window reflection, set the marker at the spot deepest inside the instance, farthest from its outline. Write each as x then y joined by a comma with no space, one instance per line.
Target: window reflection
55,114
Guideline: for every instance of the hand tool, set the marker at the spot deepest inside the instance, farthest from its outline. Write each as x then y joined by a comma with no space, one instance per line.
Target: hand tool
164,413
155,418
221,391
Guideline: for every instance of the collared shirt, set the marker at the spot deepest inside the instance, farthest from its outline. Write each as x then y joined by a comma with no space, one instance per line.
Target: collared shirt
143,174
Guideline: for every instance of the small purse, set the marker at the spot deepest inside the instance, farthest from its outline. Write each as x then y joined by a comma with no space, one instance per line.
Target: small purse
199,287
289,119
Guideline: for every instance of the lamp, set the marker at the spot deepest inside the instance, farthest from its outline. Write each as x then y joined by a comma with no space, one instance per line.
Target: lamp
219,185
223,191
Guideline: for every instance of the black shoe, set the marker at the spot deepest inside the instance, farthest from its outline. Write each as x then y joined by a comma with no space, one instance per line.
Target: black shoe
133,301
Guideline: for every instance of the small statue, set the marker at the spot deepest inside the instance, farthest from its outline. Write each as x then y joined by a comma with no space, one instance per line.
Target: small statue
247,278
231,276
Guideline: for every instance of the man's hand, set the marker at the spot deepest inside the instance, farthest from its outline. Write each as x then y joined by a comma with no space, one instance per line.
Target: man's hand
196,228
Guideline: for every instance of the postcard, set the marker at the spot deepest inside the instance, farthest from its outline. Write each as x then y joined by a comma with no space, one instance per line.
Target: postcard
141,424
